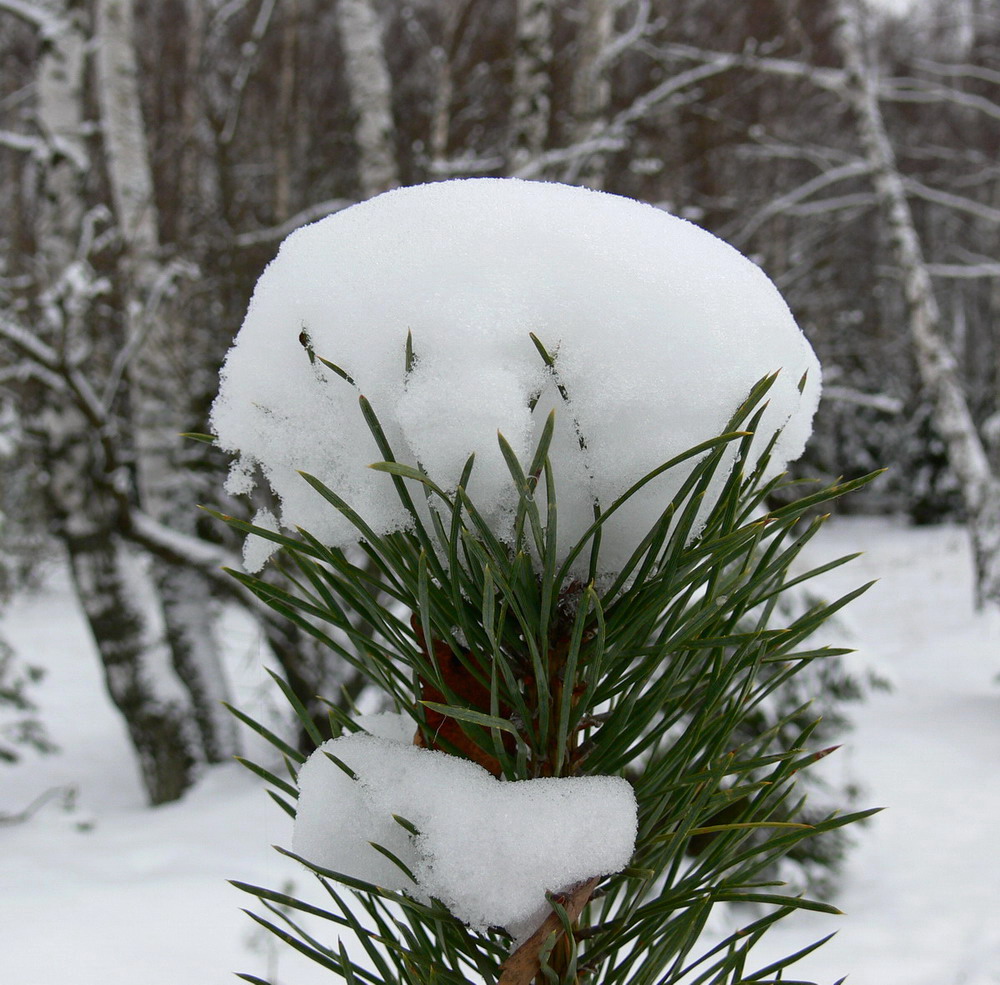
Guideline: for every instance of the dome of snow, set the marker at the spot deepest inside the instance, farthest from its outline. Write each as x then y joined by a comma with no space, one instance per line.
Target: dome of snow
659,330
488,849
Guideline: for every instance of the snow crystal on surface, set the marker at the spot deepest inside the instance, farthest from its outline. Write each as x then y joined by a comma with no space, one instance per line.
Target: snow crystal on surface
659,331
488,849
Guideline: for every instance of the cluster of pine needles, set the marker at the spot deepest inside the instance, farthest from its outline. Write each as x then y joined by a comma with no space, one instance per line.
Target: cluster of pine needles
649,674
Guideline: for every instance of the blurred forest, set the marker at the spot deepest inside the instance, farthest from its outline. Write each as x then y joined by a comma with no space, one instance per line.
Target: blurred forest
154,154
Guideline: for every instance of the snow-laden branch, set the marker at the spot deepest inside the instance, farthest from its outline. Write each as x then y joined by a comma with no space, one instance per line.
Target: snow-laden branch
959,203
49,359
876,401
162,284
181,548
822,158
797,195
907,89
48,24
964,271
465,165
613,136
831,79
44,363
963,71
836,203
28,369
911,90
250,52
22,142
645,104
627,39
270,234
537,166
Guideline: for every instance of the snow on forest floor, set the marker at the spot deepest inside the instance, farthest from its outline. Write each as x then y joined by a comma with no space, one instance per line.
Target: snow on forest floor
108,891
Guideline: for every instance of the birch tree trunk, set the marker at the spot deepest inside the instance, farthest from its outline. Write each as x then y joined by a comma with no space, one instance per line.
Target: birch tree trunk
936,363
153,351
591,95
116,593
370,92
531,106
60,118
79,476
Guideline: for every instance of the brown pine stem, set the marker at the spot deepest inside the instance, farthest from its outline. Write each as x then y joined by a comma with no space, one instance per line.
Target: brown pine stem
525,964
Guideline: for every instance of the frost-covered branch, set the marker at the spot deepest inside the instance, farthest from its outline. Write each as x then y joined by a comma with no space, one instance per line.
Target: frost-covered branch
919,91
797,195
22,142
539,164
250,52
959,203
964,271
628,39
49,359
180,548
831,79
465,165
48,24
270,234
659,94
876,401
962,71
822,158
613,135
163,280
28,369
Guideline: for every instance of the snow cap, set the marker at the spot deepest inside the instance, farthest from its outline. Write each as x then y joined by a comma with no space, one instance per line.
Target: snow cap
659,331
488,849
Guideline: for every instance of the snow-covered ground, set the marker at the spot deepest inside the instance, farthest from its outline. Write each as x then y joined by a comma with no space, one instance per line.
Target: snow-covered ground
115,893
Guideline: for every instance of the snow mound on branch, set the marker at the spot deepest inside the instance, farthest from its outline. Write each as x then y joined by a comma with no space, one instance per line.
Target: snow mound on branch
488,849
659,330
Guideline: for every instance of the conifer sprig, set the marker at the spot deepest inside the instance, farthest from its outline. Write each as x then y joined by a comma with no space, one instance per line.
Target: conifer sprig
649,675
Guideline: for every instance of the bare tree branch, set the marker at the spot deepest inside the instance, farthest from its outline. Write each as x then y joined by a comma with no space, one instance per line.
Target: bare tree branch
964,271
911,90
876,401
249,52
784,202
269,234
23,142
831,79
47,23
628,38
963,71
980,210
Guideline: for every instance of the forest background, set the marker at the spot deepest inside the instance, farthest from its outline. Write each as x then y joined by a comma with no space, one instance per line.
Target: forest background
153,155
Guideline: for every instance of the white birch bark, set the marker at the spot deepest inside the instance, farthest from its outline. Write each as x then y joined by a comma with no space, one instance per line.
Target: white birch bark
531,105
119,601
60,117
370,92
80,470
154,347
936,363
591,95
